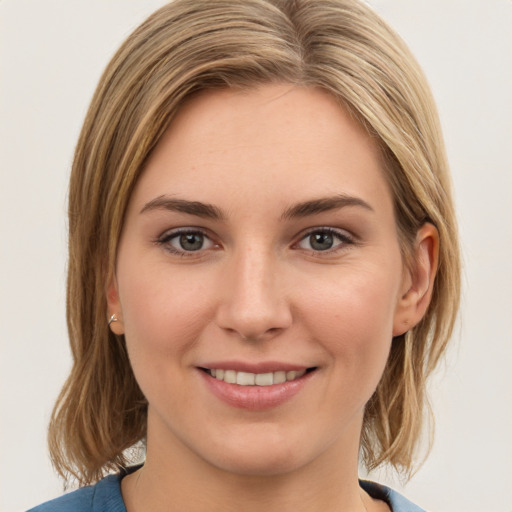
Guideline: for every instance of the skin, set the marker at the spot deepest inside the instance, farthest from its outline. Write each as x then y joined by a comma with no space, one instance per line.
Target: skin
259,289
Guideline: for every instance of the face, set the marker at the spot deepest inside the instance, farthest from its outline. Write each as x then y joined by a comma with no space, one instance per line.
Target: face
259,281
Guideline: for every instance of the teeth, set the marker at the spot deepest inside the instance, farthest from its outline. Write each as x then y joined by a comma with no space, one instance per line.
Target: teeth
264,379
255,379
291,375
229,376
245,379
279,377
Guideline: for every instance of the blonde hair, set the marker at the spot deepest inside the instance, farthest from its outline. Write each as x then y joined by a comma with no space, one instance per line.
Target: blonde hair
340,46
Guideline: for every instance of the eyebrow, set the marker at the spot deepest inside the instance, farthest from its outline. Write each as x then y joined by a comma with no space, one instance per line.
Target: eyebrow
324,204
207,211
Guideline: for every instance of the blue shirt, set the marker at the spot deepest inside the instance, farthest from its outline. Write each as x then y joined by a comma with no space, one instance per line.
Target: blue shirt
105,496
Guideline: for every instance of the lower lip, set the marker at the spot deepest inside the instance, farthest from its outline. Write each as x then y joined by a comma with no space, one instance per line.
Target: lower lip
255,398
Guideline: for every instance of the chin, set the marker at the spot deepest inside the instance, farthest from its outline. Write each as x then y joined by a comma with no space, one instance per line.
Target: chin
264,455
261,464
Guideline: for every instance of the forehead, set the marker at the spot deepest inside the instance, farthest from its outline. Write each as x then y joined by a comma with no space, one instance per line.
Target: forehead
279,141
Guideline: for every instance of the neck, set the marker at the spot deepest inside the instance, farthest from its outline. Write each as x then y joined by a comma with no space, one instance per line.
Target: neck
174,479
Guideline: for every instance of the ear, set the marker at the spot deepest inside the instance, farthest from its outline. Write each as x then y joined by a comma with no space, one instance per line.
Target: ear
418,281
114,306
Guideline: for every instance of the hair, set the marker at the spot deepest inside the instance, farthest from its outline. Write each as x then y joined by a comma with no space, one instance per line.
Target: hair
339,46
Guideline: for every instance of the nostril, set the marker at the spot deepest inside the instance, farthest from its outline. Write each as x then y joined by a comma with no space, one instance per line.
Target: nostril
269,333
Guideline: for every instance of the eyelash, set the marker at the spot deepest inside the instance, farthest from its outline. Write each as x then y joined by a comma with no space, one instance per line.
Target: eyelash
343,238
165,239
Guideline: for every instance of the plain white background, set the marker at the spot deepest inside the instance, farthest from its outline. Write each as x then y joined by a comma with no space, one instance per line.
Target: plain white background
51,55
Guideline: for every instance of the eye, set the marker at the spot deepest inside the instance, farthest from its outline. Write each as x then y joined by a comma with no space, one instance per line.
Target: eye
324,240
185,241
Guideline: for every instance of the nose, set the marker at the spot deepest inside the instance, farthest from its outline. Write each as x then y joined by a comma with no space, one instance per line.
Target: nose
254,302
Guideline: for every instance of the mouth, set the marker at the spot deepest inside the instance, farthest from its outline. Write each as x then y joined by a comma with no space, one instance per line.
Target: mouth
256,379
256,386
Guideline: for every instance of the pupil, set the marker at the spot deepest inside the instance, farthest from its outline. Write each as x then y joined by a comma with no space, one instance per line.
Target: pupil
191,242
321,241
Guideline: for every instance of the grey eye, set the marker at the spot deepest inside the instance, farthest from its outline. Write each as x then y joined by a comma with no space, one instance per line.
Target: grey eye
321,241
191,241
324,239
186,241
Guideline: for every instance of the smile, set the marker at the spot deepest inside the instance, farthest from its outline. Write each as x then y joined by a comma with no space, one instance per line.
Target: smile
256,391
255,379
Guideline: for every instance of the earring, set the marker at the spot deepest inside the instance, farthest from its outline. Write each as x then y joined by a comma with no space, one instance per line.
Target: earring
113,318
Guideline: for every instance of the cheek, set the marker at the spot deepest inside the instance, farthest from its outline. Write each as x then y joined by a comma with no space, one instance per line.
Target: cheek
163,314
352,317
163,317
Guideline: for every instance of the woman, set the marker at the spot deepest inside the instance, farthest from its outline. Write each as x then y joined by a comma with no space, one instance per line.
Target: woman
263,263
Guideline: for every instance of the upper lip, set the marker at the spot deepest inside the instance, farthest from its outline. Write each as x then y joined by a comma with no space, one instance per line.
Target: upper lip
254,367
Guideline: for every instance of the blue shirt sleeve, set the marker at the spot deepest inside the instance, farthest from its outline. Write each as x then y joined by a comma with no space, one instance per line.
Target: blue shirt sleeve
105,496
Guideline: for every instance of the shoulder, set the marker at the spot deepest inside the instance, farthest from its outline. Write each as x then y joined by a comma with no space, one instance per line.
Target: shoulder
79,501
103,496
396,502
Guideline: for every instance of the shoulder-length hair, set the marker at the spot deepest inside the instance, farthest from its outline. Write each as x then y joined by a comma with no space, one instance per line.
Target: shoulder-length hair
340,46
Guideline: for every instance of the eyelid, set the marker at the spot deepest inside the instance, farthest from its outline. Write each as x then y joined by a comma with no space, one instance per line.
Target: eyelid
345,238
165,238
